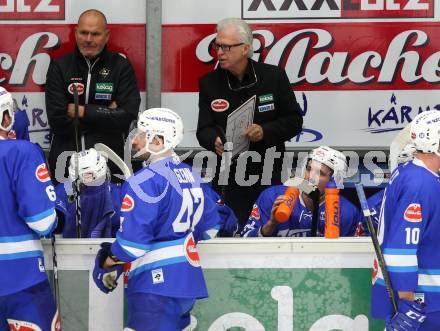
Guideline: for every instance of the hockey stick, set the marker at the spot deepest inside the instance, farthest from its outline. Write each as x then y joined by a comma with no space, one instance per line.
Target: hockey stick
56,284
76,183
367,214
112,156
315,195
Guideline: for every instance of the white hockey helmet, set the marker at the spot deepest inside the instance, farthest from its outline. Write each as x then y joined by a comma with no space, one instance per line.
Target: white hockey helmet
6,106
161,122
92,167
425,131
333,159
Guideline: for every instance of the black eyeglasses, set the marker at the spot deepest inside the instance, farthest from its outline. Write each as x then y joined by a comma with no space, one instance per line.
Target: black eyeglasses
224,47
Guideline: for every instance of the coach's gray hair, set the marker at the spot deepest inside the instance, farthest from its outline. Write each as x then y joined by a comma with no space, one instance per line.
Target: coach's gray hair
243,29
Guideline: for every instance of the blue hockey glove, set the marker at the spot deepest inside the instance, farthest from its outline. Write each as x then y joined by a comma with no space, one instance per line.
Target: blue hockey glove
106,278
409,317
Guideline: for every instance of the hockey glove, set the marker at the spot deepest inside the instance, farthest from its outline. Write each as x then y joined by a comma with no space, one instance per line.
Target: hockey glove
409,317
106,278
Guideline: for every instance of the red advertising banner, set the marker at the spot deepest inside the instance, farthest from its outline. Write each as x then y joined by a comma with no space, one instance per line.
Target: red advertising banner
317,57
32,10
24,62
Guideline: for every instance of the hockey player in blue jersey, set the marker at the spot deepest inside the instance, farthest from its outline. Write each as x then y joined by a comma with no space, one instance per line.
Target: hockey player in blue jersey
99,198
375,201
322,164
408,233
27,209
163,214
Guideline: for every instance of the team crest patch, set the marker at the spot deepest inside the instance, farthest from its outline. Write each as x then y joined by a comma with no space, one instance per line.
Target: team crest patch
127,203
16,325
42,173
255,213
157,276
190,251
219,105
79,88
413,213
104,72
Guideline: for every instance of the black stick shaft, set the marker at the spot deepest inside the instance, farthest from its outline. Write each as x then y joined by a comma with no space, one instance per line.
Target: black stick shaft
380,258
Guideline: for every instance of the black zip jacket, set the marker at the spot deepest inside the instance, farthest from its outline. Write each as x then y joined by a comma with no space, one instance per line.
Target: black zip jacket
108,78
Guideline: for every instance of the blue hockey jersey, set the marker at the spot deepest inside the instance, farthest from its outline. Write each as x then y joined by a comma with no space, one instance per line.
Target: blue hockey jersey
409,236
163,205
299,223
27,209
99,209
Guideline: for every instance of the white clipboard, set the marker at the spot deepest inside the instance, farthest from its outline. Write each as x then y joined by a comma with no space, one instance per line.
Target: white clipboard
238,121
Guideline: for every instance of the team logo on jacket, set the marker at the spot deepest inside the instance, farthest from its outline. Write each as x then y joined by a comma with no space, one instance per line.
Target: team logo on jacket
219,105
104,72
413,213
16,325
42,173
79,88
255,213
190,251
127,203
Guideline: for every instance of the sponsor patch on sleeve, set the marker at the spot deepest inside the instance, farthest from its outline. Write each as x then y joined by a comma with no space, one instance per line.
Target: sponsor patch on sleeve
255,213
413,213
127,203
42,173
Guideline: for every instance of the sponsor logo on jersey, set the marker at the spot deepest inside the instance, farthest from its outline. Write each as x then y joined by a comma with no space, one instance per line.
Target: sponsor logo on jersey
413,213
127,203
255,213
219,105
104,87
190,251
265,98
264,108
79,87
42,173
16,325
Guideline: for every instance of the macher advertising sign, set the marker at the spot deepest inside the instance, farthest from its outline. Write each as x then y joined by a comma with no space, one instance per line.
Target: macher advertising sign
357,81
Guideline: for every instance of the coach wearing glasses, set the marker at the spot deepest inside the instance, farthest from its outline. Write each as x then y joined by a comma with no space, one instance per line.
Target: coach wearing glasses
276,116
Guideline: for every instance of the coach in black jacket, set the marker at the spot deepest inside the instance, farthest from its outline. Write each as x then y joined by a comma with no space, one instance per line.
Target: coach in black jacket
109,97
276,116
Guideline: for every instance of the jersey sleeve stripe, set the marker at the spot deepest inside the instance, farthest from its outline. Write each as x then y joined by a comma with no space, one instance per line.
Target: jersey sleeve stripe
403,269
400,260
40,216
397,251
44,226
